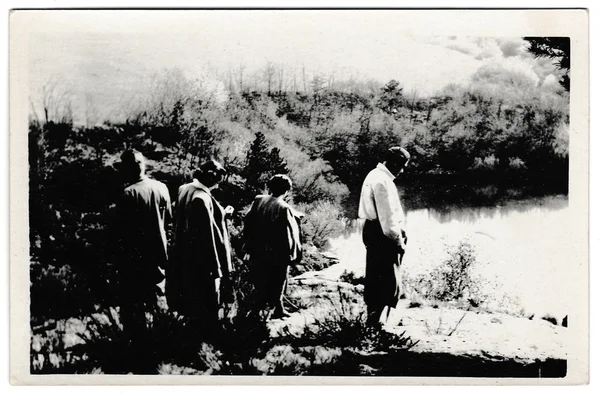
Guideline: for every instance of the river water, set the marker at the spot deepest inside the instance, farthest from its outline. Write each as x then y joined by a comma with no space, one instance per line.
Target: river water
523,257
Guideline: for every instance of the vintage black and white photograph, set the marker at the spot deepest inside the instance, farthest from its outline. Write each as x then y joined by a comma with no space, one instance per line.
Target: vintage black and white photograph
300,193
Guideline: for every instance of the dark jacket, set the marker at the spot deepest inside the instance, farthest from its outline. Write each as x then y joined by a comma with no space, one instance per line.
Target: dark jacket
202,251
142,212
271,231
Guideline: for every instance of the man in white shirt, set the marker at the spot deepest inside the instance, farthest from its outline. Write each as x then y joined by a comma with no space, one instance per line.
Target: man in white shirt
384,234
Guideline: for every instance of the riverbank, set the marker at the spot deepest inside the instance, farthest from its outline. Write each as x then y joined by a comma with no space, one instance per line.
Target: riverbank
324,336
522,261
449,341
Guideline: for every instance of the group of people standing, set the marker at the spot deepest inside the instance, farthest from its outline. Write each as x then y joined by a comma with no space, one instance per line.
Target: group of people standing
193,277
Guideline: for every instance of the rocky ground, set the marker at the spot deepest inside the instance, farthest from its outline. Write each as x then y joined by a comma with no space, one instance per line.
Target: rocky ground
450,339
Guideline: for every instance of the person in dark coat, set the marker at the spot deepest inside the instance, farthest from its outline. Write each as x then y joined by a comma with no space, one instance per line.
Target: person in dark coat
272,243
384,235
142,214
202,251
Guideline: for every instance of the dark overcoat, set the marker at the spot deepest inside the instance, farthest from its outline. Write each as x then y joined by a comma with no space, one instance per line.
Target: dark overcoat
142,213
201,252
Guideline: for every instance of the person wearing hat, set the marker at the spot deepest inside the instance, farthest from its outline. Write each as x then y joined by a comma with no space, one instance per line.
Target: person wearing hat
272,242
201,252
384,235
142,213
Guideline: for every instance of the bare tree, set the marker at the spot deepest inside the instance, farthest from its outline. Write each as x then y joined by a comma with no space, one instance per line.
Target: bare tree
55,105
269,75
304,77
240,72
92,114
230,79
295,82
56,102
317,84
413,116
331,79
280,77
256,81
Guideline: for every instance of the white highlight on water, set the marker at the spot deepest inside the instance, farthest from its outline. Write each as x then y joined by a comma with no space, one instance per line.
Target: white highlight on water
523,253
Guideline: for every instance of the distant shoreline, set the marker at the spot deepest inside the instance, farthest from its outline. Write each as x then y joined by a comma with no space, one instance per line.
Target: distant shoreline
446,191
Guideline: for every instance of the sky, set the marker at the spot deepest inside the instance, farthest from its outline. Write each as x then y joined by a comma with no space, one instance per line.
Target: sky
102,60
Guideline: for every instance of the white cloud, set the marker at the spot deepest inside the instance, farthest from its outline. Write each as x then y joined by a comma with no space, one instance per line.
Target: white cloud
503,61
512,46
518,66
551,83
550,80
480,48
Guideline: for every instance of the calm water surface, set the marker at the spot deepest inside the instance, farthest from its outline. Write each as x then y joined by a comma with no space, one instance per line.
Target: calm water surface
523,253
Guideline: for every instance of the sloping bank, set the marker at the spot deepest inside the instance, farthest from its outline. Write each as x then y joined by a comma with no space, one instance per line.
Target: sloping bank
445,340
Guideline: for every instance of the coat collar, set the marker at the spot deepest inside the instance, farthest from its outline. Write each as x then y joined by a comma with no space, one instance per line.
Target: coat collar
199,185
142,178
383,168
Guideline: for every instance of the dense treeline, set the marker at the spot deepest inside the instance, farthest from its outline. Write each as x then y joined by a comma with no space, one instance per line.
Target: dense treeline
326,140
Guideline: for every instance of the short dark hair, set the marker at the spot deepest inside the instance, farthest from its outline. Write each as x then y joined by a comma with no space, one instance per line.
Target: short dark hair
279,184
133,158
210,173
397,154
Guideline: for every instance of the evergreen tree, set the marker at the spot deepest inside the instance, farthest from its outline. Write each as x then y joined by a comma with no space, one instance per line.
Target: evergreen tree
557,49
261,164
390,97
